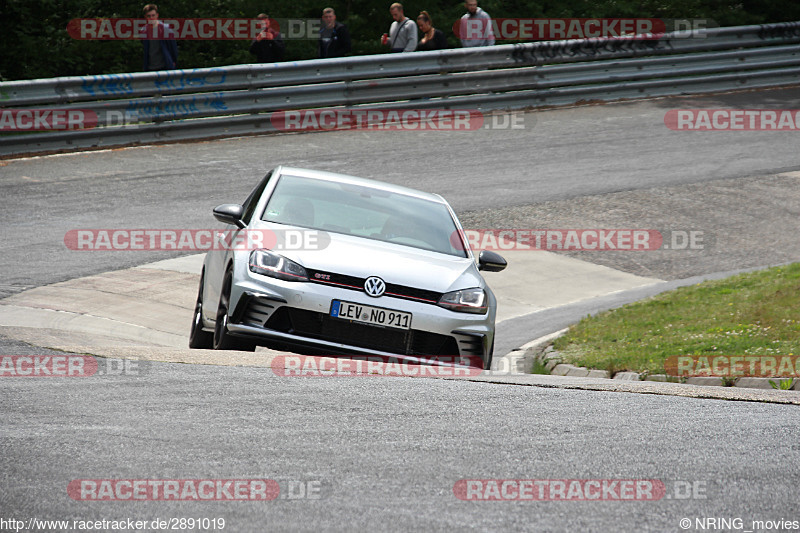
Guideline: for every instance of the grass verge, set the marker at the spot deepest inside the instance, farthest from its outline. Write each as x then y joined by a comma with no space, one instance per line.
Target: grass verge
756,313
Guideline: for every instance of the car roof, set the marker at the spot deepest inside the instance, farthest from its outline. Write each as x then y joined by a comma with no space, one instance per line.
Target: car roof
344,178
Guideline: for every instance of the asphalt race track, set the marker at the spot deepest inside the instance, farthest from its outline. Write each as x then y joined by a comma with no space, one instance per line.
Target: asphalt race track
386,453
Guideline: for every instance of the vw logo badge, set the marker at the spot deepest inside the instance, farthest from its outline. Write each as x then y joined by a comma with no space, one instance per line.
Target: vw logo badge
374,286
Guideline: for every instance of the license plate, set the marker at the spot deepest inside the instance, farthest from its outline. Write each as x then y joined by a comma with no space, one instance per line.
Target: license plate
370,315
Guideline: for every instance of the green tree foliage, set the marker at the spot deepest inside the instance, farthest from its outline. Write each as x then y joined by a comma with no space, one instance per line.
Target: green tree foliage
35,42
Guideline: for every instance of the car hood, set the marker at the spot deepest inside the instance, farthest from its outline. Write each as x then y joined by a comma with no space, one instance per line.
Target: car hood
394,263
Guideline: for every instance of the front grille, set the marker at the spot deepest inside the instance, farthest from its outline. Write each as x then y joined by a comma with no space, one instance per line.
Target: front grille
354,283
324,327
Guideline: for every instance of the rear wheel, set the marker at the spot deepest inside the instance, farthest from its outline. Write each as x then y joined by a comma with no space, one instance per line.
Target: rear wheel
222,339
198,338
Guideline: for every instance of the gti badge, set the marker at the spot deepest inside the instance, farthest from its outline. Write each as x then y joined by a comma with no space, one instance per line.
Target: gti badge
374,286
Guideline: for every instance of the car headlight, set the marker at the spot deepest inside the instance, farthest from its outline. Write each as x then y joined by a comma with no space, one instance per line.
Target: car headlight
276,266
465,301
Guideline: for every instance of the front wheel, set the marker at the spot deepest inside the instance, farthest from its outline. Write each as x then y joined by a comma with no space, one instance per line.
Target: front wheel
487,365
222,339
198,338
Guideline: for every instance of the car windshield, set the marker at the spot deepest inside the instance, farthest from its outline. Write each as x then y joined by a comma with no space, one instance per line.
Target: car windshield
364,212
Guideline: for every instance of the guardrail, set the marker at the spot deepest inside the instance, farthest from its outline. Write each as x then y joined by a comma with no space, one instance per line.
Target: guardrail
240,99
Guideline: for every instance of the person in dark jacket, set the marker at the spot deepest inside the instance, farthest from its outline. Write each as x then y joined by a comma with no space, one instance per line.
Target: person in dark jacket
334,39
159,53
268,46
432,39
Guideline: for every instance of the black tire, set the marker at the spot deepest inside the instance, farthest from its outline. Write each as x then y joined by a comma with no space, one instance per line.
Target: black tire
222,339
198,338
487,365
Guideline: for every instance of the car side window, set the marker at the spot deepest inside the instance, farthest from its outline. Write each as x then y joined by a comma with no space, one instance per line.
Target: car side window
249,205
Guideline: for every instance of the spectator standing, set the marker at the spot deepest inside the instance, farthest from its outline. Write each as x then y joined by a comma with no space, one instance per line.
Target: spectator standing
334,39
160,52
402,35
432,39
477,25
268,46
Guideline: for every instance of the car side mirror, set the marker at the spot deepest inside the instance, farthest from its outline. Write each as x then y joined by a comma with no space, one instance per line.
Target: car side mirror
230,214
491,262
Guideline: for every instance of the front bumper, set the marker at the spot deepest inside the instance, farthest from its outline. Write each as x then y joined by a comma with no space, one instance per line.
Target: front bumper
299,314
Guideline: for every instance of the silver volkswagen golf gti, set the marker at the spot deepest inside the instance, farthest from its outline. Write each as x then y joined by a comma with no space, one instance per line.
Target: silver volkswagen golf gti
344,265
